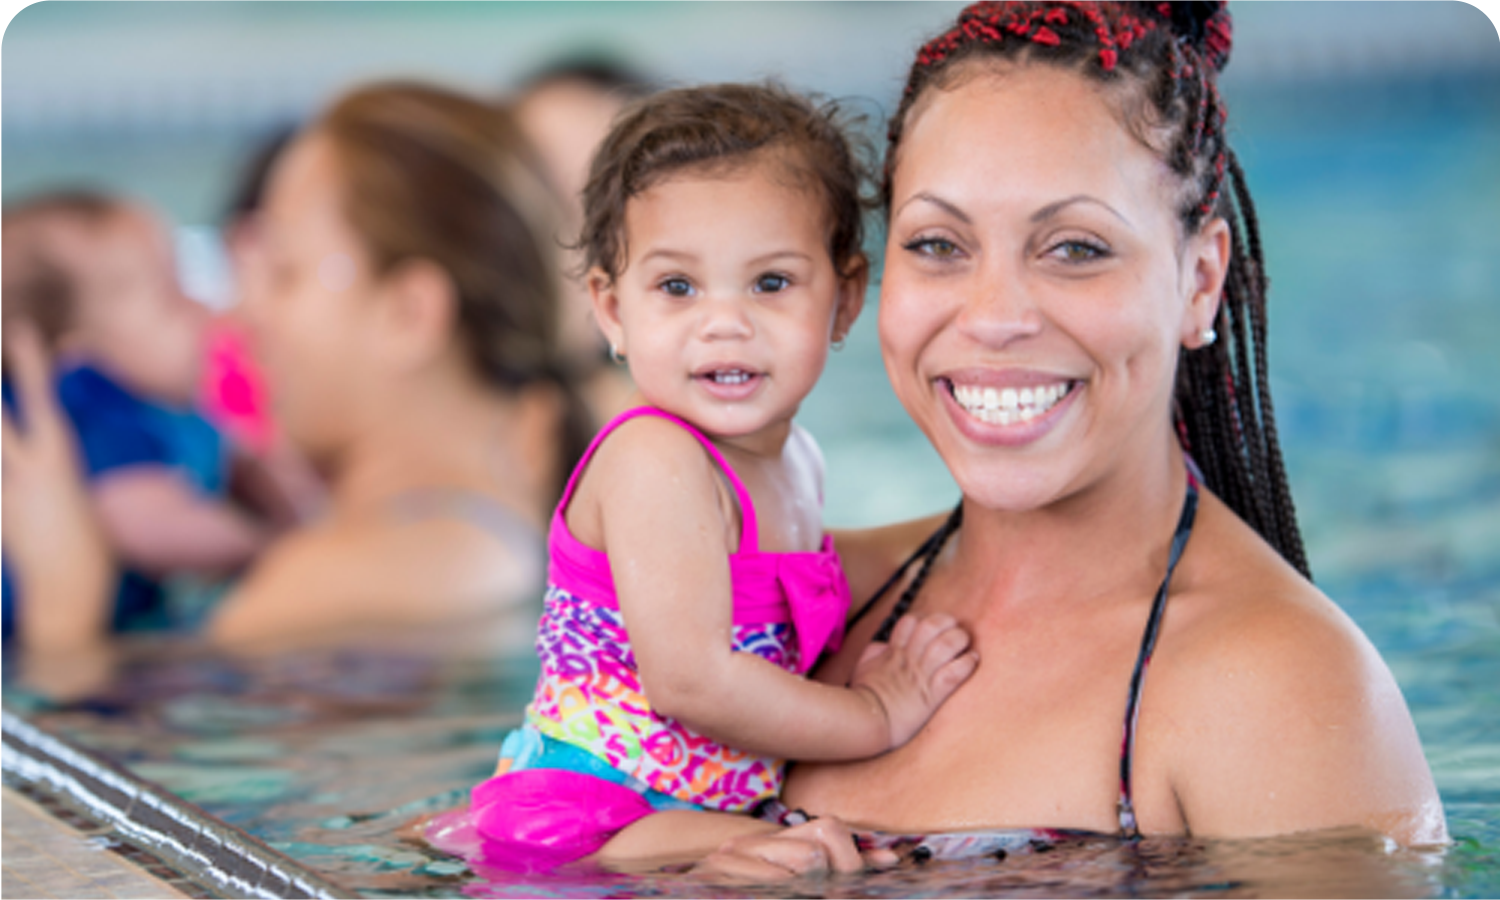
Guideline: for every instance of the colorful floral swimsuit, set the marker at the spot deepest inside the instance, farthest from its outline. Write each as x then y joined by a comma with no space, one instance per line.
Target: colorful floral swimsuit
592,755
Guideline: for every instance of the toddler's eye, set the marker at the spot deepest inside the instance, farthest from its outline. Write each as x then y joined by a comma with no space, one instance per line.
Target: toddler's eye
676,287
771,283
935,247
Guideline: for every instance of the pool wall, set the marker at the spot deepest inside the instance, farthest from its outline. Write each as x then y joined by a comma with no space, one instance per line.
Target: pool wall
222,857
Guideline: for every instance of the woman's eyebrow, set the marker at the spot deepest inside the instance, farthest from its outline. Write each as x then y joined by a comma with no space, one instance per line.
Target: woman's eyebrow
939,202
1052,209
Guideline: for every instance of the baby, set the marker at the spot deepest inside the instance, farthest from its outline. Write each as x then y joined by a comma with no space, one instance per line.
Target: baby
96,276
691,583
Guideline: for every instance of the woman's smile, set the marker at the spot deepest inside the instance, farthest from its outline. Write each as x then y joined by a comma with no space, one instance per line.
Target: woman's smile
1007,407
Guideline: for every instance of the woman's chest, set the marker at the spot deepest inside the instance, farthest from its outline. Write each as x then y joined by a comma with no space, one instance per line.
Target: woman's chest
1033,740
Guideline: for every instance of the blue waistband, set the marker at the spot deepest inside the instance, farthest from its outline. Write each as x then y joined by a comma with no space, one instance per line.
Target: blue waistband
527,748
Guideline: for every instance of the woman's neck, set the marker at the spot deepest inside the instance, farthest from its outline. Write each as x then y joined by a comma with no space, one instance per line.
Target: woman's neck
453,433
1112,536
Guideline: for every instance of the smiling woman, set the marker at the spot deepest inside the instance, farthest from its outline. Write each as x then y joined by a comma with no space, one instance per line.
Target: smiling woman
1068,235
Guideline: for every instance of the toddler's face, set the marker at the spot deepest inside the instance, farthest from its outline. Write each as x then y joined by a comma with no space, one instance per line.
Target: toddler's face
132,317
728,299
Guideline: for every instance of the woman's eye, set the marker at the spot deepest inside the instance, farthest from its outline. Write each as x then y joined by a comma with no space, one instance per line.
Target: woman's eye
937,248
676,287
1078,251
771,283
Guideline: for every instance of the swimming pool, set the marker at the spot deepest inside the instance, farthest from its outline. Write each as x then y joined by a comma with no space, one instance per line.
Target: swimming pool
1380,205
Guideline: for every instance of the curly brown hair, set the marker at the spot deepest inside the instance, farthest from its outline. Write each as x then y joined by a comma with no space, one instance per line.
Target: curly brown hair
722,127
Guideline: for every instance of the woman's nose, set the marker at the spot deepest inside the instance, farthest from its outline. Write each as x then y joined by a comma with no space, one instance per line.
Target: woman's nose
999,308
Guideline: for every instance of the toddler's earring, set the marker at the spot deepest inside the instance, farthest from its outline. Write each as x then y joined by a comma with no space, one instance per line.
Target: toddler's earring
616,355
838,344
1207,336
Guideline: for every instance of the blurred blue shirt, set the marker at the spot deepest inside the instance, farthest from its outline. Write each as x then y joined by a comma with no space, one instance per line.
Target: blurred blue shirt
116,430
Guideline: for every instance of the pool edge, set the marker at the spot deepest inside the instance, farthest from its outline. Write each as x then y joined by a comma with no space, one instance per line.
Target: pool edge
226,858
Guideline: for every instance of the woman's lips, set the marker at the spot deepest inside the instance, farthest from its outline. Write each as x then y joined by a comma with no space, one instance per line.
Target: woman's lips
729,382
1009,411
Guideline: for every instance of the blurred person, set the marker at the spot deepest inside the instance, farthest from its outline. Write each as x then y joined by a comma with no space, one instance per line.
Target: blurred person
235,394
565,110
96,275
234,387
407,328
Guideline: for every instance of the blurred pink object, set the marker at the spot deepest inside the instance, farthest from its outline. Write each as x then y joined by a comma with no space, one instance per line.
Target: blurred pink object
234,392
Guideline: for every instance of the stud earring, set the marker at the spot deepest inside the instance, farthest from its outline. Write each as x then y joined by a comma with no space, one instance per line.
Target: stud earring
616,355
1207,336
838,344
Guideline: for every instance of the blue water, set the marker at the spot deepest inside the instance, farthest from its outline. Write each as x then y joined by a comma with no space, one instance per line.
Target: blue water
1381,212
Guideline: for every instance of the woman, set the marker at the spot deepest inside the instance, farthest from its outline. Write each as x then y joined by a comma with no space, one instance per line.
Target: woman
407,328
1072,298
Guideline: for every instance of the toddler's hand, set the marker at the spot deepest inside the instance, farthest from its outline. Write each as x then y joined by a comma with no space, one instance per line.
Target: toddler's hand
925,662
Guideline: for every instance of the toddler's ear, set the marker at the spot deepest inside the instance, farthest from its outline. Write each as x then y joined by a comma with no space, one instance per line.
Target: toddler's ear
852,284
606,301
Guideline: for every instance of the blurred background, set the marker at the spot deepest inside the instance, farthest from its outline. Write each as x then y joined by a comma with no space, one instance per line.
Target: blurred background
1370,133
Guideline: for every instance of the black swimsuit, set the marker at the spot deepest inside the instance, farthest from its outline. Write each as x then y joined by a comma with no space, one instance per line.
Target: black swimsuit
928,554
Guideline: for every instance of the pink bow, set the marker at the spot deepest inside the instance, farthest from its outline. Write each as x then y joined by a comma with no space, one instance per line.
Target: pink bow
817,594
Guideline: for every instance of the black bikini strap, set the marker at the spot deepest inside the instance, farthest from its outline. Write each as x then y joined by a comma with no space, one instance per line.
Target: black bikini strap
1128,825
928,554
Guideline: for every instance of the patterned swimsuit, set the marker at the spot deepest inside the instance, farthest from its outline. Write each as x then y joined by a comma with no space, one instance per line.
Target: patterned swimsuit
788,607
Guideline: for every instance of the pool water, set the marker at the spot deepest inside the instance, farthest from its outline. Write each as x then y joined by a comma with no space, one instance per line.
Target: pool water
1382,213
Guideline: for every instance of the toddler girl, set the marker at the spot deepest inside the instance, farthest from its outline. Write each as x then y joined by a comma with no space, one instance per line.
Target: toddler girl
691,583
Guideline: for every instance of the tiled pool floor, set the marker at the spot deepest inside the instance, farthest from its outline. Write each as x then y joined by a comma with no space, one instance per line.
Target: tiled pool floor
44,858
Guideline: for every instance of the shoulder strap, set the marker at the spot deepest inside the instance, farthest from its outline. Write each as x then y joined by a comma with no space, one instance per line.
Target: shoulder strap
749,527
1128,825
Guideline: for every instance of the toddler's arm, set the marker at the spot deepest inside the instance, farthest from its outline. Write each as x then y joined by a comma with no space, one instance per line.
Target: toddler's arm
659,508
156,521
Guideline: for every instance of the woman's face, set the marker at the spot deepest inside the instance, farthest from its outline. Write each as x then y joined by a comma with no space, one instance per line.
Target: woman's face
1037,285
311,318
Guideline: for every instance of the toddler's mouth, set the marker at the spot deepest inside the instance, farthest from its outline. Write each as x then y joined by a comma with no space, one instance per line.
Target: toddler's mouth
729,382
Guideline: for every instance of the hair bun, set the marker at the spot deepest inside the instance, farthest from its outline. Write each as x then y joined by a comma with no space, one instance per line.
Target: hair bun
1204,25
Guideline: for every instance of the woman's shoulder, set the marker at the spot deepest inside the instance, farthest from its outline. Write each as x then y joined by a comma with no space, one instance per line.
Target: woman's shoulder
1273,710
375,570
1239,601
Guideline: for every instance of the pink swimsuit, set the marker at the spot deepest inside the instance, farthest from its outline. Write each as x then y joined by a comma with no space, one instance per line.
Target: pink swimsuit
550,805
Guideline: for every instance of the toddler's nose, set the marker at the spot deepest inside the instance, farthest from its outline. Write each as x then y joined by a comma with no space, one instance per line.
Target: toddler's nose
726,319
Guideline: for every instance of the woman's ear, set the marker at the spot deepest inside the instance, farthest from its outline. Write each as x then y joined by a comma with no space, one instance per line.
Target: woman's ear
1205,266
851,296
605,297
418,310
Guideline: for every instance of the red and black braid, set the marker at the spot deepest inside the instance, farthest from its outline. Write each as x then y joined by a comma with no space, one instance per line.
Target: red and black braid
1174,52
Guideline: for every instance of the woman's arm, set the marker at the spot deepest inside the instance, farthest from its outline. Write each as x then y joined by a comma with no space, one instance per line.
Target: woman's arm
737,847
664,526
337,580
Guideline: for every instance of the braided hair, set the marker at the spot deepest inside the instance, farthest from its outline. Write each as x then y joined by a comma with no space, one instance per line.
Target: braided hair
1166,57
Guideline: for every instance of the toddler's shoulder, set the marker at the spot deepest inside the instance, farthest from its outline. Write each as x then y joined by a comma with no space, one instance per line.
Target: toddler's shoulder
648,447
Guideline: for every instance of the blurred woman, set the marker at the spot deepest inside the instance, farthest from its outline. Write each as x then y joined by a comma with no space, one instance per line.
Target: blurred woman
407,330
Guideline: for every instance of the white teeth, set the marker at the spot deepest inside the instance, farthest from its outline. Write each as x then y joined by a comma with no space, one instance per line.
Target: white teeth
732,376
1006,406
